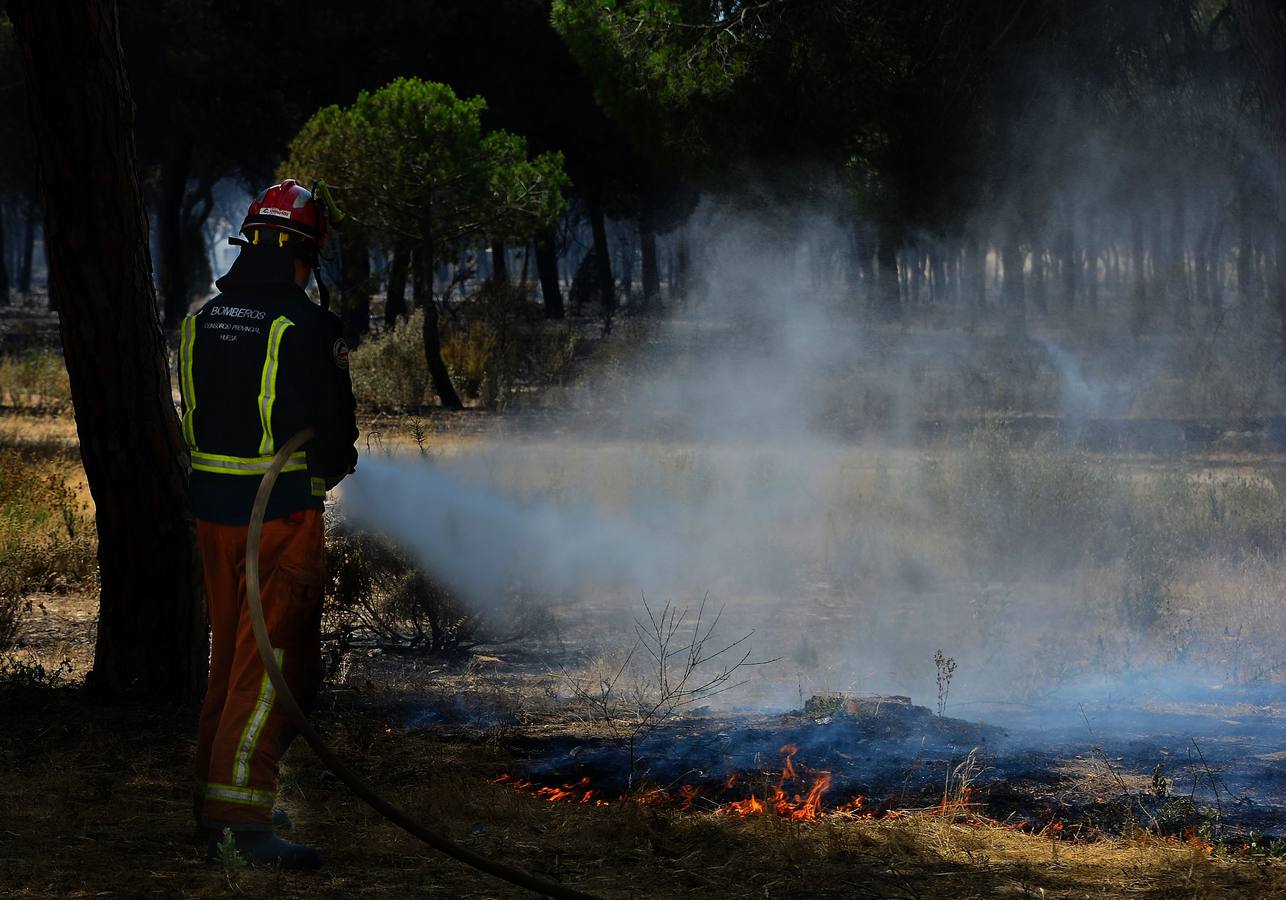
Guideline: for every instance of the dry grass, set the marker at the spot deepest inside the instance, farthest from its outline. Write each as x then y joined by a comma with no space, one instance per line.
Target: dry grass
97,800
47,541
35,382
23,428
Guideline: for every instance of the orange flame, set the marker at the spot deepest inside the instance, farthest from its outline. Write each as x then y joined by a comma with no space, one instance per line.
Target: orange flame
805,808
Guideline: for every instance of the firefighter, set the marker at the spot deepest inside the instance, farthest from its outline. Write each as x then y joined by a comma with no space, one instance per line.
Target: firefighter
259,363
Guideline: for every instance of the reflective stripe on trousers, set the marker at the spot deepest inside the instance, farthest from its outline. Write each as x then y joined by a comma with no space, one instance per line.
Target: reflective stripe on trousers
254,725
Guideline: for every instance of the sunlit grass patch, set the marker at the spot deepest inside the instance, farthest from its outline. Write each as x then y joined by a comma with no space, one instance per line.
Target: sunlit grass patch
35,381
47,538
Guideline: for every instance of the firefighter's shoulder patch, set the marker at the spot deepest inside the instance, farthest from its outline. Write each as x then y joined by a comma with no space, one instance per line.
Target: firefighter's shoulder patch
339,352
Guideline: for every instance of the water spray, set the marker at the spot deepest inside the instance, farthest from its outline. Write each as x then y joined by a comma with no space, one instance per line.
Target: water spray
345,774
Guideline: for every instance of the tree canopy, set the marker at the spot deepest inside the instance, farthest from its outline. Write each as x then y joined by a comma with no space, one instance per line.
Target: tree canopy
412,163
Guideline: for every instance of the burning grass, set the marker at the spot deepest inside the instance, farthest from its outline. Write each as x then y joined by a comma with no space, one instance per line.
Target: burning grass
954,843
105,791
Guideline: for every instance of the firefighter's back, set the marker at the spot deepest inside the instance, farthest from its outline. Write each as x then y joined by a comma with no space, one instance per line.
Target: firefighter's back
249,381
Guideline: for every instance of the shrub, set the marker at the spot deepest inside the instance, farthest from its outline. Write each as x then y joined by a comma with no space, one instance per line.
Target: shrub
1019,507
35,381
389,372
499,343
46,539
493,344
13,608
376,593
469,352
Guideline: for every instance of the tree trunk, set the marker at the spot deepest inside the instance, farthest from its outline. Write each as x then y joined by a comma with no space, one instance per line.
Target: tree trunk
169,223
625,264
4,265
547,269
1038,292
1092,254
1264,31
1142,313
864,255
355,287
1067,257
28,247
1013,294
1177,277
679,274
602,258
395,298
431,330
886,261
197,206
499,262
1243,242
151,630
647,248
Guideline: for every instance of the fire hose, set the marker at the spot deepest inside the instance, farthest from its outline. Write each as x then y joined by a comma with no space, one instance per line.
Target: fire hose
341,769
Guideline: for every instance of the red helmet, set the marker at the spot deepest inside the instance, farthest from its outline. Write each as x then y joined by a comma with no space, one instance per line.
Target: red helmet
288,207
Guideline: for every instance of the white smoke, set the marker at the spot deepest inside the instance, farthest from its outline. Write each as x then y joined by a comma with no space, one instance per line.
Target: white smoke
761,451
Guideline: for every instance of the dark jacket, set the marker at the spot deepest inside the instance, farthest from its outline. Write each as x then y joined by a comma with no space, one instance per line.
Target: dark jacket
257,364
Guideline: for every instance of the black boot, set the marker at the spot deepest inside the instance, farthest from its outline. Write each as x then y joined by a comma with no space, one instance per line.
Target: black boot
263,848
280,822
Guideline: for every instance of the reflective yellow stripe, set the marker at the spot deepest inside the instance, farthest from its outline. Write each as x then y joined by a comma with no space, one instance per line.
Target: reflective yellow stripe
235,794
254,726
186,386
244,465
319,487
268,382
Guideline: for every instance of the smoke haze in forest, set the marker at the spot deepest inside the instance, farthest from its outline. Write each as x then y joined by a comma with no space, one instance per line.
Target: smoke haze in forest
716,466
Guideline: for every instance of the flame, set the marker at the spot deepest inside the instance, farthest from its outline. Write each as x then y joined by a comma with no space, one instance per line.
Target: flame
748,807
580,792
788,772
799,808
852,806
780,797
957,806
689,793
654,797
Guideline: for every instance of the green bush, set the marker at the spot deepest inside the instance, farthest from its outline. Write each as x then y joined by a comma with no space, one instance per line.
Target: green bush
389,372
494,344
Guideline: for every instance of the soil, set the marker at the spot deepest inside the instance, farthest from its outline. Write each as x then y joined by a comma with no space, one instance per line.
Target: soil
97,804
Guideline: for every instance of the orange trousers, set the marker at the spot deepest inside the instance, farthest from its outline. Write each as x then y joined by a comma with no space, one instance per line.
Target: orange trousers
243,732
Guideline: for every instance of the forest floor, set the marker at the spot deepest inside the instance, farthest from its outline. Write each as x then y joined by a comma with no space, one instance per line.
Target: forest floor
96,799
96,804
1106,800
